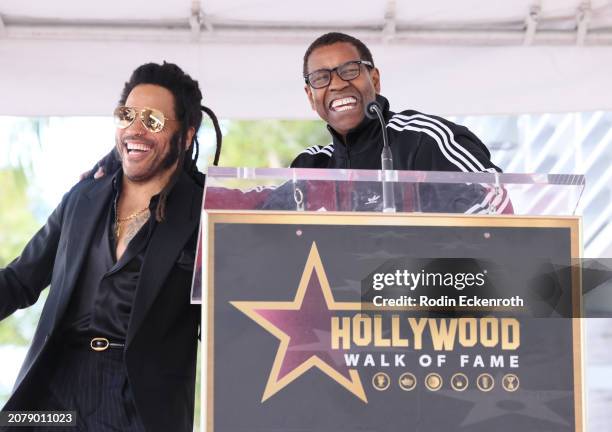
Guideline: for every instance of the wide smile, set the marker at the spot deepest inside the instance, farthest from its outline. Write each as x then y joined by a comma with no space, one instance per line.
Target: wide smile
136,150
343,104
134,146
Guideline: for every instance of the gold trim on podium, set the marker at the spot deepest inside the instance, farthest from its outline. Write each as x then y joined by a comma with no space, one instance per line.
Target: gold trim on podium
573,223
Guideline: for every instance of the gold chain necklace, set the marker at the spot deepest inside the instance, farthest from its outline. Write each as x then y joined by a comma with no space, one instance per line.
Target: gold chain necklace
119,221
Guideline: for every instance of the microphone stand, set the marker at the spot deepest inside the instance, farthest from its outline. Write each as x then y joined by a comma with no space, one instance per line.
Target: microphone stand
373,110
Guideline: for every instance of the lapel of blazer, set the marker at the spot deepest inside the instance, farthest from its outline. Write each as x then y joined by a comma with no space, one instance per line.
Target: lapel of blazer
165,245
89,207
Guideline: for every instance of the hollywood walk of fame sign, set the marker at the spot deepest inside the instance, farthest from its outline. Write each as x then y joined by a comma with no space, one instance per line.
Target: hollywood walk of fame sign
298,338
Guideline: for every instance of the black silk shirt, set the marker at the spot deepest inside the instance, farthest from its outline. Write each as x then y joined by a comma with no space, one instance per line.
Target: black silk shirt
101,302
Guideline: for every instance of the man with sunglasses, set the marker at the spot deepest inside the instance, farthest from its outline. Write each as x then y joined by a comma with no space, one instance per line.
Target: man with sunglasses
117,338
340,81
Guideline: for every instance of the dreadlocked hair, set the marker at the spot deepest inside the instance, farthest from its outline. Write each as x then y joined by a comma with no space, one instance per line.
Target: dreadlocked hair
187,110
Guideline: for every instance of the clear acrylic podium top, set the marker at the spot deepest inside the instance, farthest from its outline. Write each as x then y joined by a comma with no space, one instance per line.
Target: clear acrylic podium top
412,191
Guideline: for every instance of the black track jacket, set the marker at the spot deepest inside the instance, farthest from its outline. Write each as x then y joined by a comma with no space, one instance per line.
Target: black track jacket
418,142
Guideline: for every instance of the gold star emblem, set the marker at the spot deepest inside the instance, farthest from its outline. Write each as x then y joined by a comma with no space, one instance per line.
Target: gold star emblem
295,322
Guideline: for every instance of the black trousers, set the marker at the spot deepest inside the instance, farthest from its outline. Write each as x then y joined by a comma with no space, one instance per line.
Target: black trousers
94,384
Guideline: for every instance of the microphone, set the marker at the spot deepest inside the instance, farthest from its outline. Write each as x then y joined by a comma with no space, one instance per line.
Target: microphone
371,110
374,110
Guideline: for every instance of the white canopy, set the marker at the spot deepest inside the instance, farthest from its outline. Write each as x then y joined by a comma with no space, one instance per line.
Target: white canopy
71,57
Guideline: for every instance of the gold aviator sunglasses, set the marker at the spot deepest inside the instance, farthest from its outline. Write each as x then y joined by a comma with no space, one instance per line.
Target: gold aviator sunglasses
152,119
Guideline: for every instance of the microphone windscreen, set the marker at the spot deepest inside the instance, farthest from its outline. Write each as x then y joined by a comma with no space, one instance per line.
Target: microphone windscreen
370,110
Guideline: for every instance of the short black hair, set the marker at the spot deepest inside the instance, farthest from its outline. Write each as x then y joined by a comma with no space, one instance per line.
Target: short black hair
336,37
187,110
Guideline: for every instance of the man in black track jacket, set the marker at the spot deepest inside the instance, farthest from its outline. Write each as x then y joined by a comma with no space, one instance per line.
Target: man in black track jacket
418,142
341,80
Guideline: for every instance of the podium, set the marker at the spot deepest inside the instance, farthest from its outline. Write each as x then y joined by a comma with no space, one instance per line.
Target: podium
325,311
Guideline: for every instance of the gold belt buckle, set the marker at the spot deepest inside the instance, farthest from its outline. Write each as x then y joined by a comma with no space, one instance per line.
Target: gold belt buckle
99,344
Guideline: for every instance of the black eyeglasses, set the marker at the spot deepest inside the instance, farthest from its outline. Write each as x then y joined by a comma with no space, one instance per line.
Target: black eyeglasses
346,71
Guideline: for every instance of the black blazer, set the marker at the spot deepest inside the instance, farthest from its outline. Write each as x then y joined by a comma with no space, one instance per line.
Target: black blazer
161,344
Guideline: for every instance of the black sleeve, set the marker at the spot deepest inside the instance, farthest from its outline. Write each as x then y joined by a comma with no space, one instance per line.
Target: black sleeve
302,160
22,281
307,160
454,148
282,198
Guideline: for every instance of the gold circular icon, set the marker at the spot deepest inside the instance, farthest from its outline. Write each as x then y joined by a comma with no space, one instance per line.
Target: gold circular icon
407,381
433,382
510,382
485,382
459,382
381,381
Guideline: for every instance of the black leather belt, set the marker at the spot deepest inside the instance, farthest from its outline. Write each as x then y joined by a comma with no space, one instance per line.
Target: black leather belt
102,344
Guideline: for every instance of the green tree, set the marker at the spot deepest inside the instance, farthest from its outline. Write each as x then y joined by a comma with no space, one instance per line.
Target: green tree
17,224
21,136
269,143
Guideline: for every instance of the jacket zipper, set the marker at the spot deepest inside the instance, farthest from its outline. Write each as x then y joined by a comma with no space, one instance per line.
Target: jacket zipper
348,154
